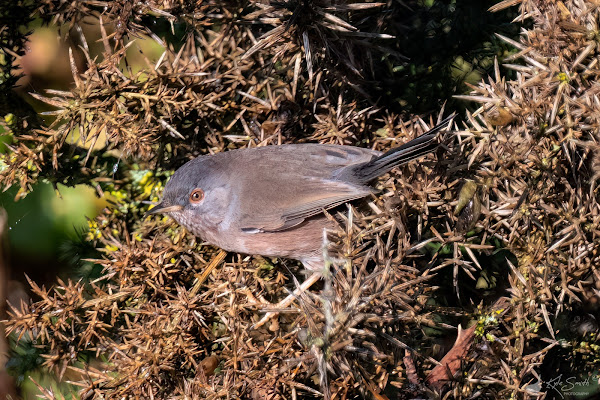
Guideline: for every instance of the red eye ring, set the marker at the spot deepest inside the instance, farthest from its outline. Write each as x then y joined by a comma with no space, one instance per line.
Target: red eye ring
196,196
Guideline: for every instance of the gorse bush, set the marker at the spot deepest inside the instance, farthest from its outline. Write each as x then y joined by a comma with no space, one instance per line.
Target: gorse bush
496,233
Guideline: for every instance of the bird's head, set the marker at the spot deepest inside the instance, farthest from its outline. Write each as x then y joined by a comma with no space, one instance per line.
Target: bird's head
196,196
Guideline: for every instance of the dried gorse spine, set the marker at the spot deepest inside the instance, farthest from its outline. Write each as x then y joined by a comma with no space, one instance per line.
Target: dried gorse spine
509,207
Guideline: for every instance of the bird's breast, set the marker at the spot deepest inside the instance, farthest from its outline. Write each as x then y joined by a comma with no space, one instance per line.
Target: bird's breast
299,242
303,241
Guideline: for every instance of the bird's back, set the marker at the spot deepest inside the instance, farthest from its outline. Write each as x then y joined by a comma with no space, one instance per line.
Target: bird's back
276,187
314,160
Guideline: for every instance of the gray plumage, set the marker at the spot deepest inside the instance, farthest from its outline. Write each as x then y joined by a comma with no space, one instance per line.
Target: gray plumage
270,200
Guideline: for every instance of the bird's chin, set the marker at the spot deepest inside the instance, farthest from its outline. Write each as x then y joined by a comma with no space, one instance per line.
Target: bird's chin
178,216
187,221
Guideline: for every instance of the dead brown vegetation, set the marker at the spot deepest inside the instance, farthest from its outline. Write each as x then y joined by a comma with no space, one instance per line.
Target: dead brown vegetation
508,207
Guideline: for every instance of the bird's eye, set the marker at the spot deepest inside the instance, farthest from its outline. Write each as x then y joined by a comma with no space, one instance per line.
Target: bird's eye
196,196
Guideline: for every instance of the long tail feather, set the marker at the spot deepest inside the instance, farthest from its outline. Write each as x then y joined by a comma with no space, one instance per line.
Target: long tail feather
416,148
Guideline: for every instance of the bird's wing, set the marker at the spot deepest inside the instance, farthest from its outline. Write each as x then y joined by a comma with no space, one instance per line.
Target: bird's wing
296,203
295,182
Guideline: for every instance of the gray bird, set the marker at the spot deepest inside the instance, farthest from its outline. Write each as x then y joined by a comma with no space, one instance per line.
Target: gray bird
270,200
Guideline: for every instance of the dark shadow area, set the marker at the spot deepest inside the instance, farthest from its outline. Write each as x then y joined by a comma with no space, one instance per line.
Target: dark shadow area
447,44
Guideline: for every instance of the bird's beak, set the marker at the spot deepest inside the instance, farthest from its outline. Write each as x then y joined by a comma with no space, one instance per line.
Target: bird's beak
163,208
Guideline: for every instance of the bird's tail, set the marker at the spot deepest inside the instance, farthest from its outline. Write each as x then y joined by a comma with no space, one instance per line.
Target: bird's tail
416,148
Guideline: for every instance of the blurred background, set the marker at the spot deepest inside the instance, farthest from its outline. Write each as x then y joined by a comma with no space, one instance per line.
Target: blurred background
47,230
48,227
